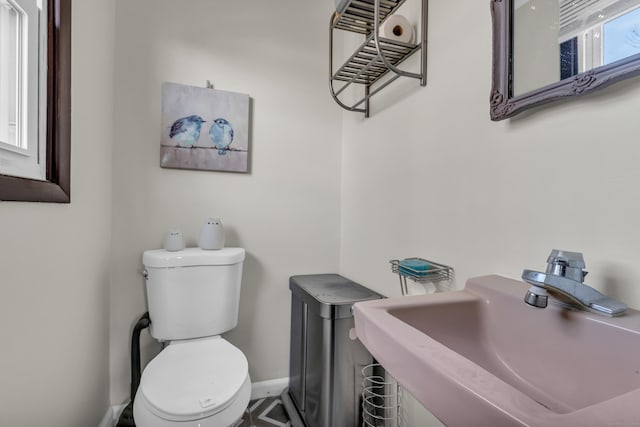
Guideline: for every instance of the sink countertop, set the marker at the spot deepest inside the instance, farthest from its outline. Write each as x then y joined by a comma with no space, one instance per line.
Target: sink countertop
483,357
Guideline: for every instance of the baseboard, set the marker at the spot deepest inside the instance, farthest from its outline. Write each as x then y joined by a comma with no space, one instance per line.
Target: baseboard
275,387
108,419
111,416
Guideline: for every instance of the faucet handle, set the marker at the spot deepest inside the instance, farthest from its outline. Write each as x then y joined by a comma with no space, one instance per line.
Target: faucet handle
566,264
570,259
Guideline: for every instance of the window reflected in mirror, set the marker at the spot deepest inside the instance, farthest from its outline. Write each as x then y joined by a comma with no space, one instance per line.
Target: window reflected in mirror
557,39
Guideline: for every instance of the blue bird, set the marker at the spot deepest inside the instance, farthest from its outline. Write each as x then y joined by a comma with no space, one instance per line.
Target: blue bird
221,133
186,130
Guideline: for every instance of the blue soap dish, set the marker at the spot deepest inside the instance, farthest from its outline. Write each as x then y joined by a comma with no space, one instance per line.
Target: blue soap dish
414,266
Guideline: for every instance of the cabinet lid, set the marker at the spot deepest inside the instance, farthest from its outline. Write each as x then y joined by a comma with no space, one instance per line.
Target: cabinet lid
331,295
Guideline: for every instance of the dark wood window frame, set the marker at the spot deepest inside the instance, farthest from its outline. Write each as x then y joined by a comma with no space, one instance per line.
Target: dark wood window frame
57,187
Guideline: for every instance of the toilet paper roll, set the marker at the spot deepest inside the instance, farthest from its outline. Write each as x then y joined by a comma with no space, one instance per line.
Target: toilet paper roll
397,27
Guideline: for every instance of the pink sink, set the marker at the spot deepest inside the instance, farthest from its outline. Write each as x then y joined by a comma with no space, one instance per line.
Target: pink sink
482,357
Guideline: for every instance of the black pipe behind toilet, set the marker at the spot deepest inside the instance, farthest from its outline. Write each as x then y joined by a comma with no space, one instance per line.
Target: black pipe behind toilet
126,417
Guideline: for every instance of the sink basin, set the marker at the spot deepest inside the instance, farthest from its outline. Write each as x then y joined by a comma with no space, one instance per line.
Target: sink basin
482,357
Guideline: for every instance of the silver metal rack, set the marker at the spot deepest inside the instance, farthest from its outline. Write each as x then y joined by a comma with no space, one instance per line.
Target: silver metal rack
439,275
376,56
380,398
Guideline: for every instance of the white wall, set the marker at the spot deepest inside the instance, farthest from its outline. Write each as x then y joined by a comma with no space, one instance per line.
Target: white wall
285,212
54,309
430,175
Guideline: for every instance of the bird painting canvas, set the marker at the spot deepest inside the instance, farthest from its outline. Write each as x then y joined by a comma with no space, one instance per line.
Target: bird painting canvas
204,129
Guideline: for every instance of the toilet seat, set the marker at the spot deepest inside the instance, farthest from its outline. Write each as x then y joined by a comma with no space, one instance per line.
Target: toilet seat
194,379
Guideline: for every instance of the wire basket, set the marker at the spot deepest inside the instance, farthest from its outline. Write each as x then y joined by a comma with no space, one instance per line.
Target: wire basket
436,278
380,398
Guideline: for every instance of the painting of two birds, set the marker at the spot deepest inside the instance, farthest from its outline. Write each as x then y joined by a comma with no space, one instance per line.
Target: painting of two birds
204,129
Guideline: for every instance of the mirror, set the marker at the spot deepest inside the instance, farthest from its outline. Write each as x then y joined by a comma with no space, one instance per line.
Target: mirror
545,50
55,187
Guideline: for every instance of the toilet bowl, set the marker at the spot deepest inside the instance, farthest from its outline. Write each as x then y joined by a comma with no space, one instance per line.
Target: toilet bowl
199,383
199,379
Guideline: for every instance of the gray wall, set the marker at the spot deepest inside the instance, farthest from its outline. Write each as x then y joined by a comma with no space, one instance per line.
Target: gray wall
430,175
54,259
285,212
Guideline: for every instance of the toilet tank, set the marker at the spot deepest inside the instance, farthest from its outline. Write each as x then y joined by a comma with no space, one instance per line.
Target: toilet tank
193,293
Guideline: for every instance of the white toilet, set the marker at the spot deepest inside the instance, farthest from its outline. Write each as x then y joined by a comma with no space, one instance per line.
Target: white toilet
199,379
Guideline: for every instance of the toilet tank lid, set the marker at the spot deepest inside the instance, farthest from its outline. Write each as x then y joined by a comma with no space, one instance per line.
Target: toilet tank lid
160,258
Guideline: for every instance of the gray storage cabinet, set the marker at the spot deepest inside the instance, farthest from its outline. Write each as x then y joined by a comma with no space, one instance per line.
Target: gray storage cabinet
325,374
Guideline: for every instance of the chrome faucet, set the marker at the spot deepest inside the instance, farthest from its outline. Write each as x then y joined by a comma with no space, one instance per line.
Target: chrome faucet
564,278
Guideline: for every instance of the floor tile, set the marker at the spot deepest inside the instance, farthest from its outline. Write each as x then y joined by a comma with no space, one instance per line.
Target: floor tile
267,412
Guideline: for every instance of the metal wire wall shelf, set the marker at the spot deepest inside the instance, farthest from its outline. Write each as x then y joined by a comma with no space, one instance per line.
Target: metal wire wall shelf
376,56
439,275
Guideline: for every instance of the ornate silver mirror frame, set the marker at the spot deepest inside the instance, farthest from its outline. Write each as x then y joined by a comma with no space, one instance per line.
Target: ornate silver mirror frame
504,105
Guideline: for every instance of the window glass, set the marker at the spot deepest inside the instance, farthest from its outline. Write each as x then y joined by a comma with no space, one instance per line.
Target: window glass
622,37
22,68
9,72
569,58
